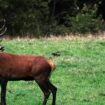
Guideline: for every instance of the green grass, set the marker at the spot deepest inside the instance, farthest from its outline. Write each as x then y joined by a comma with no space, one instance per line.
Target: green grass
79,77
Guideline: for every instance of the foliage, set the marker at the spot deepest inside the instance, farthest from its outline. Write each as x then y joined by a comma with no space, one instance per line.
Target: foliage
45,17
25,16
86,22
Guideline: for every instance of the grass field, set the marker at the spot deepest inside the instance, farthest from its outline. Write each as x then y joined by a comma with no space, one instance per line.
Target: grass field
79,77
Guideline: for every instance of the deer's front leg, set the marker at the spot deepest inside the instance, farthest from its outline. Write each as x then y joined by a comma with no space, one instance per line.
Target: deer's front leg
3,92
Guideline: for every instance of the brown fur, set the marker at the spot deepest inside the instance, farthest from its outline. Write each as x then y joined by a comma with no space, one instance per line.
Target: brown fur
21,67
15,66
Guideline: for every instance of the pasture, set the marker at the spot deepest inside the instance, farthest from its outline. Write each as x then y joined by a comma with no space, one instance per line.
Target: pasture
79,76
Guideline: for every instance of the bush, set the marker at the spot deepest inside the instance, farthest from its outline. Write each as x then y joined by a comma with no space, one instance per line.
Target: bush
86,21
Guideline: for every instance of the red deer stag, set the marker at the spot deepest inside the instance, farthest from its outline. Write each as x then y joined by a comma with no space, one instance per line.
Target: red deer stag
18,67
21,67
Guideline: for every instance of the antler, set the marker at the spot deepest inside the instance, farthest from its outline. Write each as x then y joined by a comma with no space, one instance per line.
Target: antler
2,31
3,28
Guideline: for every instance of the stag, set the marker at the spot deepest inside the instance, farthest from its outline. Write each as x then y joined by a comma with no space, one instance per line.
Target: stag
2,30
24,67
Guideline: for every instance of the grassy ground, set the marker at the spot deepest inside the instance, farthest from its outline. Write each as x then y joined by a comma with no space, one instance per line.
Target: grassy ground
79,77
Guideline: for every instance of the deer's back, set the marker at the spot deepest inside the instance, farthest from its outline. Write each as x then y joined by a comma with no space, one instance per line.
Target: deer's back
19,65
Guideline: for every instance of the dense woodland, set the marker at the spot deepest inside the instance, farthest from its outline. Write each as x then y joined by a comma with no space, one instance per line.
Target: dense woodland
57,17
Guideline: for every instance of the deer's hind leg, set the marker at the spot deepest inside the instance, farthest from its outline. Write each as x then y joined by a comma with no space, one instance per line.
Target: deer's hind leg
44,87
53,89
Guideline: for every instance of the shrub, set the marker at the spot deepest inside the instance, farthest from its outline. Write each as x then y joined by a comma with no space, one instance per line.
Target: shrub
86,21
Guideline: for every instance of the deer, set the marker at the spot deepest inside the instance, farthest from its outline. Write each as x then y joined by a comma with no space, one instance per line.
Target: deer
26,67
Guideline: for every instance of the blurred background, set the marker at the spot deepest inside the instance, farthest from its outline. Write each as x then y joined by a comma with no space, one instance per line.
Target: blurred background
52,17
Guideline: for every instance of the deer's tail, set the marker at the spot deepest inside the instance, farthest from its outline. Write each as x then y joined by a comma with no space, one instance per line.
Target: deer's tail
53,66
